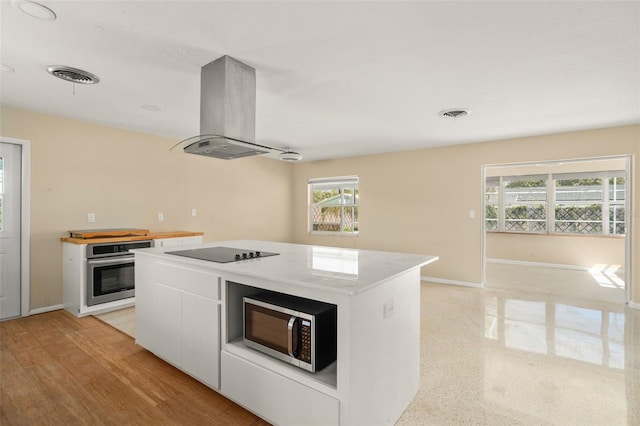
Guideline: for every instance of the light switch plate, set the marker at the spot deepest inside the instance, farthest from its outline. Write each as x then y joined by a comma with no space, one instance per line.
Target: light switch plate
91,217
388,309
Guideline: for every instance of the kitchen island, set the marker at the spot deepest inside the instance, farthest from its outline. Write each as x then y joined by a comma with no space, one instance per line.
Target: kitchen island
189,312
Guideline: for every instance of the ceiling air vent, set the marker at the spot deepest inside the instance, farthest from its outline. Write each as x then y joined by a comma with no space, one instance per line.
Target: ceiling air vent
454,112
73,75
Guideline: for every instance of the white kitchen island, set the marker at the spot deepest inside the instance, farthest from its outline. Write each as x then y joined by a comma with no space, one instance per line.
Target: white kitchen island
189,313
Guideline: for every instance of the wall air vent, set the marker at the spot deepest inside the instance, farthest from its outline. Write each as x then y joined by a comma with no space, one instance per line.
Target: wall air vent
74,75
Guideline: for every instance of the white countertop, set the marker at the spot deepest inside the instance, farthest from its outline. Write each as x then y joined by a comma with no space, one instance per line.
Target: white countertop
341,270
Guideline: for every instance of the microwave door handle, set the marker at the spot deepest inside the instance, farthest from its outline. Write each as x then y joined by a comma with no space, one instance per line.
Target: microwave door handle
290,325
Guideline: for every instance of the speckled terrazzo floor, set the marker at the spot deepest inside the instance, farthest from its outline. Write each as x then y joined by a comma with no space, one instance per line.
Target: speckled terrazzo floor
516,354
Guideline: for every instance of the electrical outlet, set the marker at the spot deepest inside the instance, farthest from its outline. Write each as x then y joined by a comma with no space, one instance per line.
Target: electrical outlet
91,217
472,214
388,309
193,212
160,217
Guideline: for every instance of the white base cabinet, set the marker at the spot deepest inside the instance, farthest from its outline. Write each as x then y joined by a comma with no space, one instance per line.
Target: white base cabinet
274,397
74,284
176,242
178,317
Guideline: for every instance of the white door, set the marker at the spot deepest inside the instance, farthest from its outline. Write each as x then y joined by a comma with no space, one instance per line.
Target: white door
10,187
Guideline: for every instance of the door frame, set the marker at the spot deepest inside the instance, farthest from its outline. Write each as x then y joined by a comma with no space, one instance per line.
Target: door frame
629,175
25,222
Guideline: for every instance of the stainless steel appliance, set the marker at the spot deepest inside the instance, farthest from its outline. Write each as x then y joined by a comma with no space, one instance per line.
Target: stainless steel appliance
299,331
110,271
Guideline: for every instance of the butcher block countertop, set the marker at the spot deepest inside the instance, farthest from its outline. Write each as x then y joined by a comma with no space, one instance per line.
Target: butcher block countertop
149,236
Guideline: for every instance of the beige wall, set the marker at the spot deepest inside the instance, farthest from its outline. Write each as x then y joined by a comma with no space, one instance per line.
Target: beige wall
406,204
575,250
126,178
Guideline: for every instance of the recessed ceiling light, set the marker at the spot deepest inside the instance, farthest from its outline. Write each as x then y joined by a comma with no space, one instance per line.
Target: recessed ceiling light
74,75
153,108
35,10
454,112
7,68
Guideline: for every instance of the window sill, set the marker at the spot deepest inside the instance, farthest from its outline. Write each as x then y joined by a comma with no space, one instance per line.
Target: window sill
333,234
546,234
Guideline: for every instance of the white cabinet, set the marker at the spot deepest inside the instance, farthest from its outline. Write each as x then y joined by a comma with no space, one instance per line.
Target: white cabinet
174,242
189,313
74,284
200,338
167,314
275,397
178,317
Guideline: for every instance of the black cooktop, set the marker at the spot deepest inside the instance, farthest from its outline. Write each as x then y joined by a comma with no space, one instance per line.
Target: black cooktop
222,254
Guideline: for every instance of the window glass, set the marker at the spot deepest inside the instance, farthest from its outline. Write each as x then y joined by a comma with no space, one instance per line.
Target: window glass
525,202
579,190
492,204
617,217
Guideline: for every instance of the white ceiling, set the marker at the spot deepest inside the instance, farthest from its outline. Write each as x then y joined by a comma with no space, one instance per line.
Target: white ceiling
337,78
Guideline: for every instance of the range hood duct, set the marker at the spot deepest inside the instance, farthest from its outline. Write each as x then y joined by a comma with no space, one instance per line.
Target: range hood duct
227,112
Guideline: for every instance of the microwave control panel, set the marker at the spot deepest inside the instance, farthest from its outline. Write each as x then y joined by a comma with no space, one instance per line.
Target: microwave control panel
305,337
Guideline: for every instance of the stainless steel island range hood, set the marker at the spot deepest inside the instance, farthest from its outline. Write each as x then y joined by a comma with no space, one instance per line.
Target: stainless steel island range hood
227,112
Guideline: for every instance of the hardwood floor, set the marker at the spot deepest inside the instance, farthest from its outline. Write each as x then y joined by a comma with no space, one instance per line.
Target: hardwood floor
59,369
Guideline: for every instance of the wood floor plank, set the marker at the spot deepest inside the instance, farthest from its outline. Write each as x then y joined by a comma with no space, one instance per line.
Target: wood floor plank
58,369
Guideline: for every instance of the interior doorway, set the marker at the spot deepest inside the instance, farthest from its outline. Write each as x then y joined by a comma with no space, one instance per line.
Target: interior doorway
559,227
14,227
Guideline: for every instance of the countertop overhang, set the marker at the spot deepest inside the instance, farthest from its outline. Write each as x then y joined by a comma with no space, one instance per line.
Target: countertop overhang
340,270
149,236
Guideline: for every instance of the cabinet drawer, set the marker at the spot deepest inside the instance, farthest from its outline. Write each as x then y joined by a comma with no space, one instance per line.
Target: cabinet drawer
200,283
276,398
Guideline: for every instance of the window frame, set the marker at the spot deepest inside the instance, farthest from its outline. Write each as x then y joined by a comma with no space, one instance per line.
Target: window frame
341,183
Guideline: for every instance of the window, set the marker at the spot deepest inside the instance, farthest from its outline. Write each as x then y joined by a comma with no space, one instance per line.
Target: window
525,204
333,205
591,203
492,204
578,207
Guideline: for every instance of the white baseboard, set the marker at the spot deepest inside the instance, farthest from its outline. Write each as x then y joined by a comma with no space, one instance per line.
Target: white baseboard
634,305
45,309
451,282
544,265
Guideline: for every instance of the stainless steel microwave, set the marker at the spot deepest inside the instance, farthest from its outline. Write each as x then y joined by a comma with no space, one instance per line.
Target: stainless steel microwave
299,331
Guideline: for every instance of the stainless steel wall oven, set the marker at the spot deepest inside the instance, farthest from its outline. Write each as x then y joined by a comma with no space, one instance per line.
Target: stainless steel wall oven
110,271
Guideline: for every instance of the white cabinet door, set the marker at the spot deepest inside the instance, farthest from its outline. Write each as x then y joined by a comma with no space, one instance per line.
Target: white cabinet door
201,338
167,331
274,397
145,321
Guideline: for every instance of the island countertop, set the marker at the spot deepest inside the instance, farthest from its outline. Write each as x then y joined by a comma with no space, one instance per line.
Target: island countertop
340,270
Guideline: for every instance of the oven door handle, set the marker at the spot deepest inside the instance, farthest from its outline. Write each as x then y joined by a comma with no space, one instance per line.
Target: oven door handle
290,325
117,261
